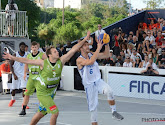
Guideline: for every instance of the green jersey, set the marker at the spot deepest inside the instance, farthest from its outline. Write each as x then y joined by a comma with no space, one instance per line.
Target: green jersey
34,70
49,77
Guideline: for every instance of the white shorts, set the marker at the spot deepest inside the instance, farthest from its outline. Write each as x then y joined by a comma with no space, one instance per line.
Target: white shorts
92,91
18,84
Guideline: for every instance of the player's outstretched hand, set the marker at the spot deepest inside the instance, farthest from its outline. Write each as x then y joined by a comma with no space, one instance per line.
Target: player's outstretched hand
88,34
7,56
100,43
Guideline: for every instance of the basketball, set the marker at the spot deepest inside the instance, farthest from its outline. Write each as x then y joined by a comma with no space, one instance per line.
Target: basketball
105,37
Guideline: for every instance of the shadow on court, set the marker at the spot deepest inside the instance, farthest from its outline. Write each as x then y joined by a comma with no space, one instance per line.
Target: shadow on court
74,111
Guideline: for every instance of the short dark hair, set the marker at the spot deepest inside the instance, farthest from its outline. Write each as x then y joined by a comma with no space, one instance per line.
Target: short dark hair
49,50
22,43
34,43
26,45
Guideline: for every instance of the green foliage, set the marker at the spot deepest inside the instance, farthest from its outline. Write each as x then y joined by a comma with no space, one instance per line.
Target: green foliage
153,4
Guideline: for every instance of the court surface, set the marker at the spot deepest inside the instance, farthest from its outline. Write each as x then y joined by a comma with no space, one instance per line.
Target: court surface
74,111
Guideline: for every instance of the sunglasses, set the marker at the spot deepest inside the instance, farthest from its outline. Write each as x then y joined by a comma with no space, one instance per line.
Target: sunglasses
127,58
99,26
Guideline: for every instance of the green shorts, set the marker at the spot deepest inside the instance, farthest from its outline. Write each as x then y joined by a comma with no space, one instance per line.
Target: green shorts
30,87
47,105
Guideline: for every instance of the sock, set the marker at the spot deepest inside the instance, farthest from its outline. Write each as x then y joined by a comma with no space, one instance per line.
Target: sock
24,107
13,97
113,107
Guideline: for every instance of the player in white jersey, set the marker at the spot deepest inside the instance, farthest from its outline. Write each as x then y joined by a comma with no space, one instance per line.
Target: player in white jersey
17,69
91,79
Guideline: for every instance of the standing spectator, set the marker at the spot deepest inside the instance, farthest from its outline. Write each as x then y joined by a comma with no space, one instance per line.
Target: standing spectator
98,32
144,63
137,63
17,69
11,9
134,54
161,60
139,34
127,62
143,26
150,38
120,37
155,56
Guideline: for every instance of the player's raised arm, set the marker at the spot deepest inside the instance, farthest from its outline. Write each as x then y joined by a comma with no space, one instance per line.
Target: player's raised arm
74,49
39,62
104,54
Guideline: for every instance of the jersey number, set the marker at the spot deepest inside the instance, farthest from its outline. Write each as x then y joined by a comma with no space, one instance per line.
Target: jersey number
54,74
91,71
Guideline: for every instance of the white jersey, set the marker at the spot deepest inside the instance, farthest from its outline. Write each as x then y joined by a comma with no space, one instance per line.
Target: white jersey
89,73
18,66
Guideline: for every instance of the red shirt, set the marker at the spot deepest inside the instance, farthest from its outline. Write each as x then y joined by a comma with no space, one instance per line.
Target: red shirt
144,26
5,68
158,40
116,42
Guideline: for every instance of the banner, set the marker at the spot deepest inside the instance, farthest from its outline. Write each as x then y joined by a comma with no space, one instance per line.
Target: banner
137,86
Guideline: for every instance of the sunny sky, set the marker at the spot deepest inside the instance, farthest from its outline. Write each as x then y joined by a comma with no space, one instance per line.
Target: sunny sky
137,4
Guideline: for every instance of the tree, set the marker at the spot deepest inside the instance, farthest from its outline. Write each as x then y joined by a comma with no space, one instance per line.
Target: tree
153,4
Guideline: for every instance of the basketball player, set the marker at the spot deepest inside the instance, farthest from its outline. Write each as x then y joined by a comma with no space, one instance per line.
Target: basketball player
91,79
17,69
48,80
33,72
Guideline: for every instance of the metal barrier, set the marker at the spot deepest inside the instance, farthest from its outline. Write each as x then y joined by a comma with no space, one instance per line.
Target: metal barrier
13,23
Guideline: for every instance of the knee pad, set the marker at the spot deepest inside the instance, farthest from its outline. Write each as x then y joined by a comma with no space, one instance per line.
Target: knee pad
94,116
108,91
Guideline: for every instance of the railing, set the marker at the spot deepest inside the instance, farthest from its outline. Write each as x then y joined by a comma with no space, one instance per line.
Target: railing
13,24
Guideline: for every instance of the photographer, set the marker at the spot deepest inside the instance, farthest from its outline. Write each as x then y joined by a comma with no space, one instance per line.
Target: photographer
151,68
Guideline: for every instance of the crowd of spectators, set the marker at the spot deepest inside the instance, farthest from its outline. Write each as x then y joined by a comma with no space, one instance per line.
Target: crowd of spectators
136,49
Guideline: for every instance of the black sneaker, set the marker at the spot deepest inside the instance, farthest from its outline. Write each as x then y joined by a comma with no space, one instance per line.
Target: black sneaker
117,116
22,113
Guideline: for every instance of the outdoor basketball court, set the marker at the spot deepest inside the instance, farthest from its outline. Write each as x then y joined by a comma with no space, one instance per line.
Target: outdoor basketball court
74,111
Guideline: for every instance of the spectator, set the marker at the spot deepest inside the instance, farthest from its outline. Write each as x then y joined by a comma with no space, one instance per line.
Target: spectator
155,56
163,27
148,47
130,38
161,60
119,62
150,38
144,63
130,48
122,54
5,68
40,49
112,56
134,54
108,62
59,50
154,32
163,43
150,71
127,62
150,62
98,32
143,26
26,49
123,46
11,9
137,63
139,34
151,25
158,39
120,37
6,50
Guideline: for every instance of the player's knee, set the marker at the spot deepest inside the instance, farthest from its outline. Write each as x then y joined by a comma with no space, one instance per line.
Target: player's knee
94,116
108,91
55,115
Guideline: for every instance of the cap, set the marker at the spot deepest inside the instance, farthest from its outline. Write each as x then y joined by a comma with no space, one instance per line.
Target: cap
111,51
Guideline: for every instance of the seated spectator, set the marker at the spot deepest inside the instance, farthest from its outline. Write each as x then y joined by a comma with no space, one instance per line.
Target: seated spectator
144,63
122,54
119,62
108,62
130,48
163,43
157,25
155,56
123,46
134,54
130,38
112,56
148,47
154,32
150,62
161,60
158,39
137,63
135,40
143,26
127,62
163,27
151,25
150,38
150,71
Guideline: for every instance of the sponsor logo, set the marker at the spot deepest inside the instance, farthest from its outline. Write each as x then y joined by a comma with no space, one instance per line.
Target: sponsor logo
52,107
53,79
140,86
153,119
26,90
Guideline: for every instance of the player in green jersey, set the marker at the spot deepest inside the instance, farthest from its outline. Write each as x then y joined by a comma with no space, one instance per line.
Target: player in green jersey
48,80
33,72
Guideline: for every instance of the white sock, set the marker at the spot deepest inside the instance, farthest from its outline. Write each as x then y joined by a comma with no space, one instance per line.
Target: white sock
113,108
13,97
